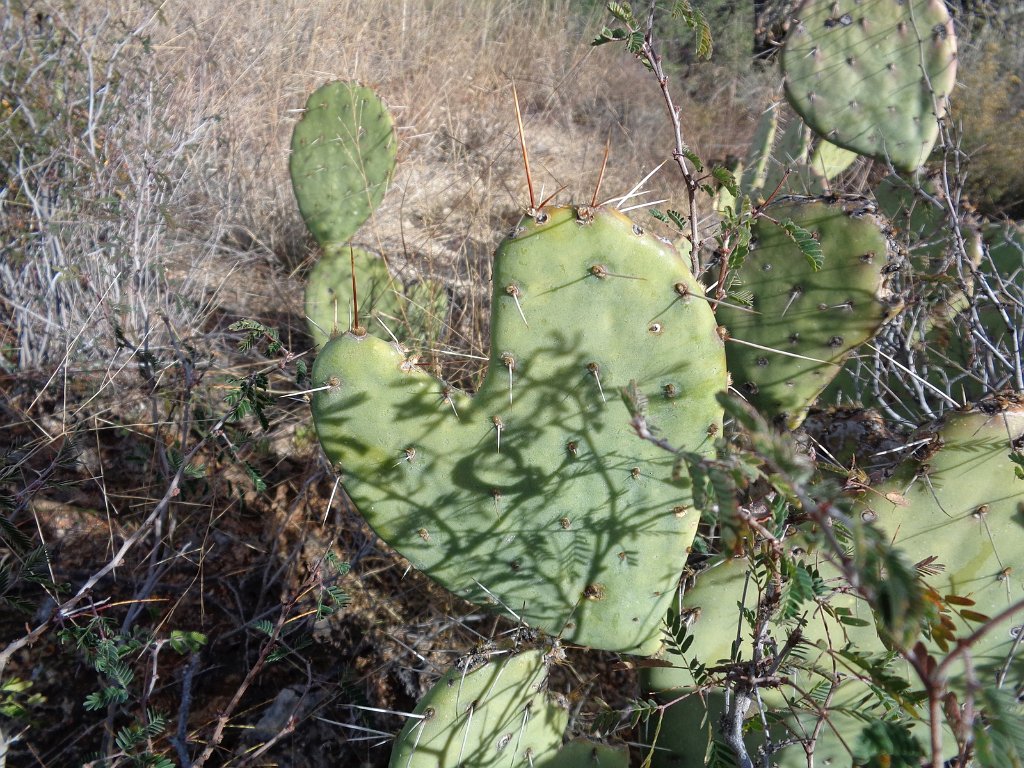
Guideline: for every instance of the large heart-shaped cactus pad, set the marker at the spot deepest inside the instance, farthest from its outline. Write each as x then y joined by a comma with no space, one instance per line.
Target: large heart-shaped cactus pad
537,496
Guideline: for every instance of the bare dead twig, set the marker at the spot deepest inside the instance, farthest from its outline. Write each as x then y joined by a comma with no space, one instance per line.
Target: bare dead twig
679,153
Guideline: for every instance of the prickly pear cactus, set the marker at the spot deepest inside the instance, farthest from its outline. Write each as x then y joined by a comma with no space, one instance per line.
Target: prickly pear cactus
805,322
957,344
536,496
921,224
329,300
826,162
873,76
786,160
961,501
385,308
956,510
496,713
583,753
343,155
712,610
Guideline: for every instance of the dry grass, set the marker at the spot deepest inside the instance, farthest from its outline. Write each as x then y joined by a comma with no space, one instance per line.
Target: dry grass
145,205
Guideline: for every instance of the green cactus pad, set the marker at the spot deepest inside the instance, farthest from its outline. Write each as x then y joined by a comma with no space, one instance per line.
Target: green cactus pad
536,496
1005,242
962,503
329,305
822,315
827,161
413,314
774,151
944,350
790,151
343,155
496,715
713,606
853,70
759,155
583,753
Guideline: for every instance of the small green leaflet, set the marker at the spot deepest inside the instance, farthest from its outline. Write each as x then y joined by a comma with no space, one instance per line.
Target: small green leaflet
690,155
610,36
887,743
805,241
695,20
186,641
670,217
1018,460
725,177
999,738
263,626
622,12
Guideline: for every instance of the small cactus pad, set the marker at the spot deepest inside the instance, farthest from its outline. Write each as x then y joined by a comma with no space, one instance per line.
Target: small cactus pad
343,155
961,501
806,322
329,301
827,161
537,496
495,715
872,76
384,308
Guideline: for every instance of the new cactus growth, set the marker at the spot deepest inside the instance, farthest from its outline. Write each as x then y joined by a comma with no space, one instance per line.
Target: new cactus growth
536,496
385,309
872,76
806,322
343,154
329,301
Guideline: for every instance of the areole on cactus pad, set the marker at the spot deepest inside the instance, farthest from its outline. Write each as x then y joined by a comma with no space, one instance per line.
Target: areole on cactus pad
537,496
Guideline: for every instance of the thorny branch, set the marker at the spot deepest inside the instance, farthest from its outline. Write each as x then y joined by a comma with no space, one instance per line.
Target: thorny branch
679,152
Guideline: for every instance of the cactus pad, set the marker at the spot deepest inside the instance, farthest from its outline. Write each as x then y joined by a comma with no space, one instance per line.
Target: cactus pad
961,502
384,307
498,714
536,496
800,313
872,76
956,509
713,606
343,155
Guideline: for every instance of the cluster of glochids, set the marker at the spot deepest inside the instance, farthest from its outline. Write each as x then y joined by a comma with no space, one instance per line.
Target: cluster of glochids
537,497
